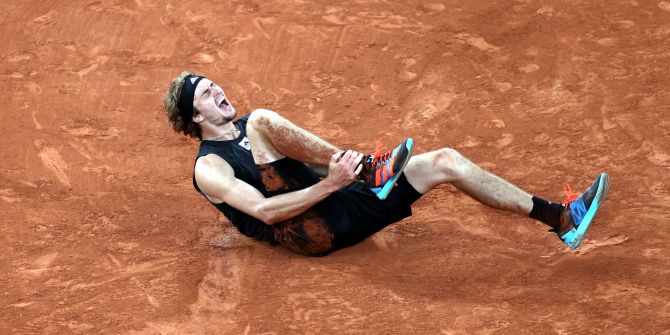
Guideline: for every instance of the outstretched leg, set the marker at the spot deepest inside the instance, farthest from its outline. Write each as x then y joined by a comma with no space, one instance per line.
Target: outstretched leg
273,137
428,170
569,220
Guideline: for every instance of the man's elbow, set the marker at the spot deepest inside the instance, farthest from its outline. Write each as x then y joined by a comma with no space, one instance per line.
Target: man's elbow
271,220
265,215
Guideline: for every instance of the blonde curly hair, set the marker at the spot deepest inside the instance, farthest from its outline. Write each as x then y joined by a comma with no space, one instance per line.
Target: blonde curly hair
170,103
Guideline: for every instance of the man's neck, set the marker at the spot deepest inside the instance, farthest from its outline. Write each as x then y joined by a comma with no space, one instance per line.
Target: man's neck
224,132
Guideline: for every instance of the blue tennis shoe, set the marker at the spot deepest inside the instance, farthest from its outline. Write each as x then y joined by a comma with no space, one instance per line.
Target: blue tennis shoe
383,167
581,209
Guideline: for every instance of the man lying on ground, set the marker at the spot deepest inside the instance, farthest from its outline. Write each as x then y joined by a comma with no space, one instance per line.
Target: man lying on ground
261,173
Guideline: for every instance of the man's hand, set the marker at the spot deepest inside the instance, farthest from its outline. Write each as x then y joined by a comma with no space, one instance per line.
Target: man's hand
343,169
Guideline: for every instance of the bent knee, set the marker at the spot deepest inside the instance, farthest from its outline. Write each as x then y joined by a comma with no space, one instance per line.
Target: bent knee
451,163
262,118
448,156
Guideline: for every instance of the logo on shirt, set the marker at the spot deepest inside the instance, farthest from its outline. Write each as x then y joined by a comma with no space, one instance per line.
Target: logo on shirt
245,143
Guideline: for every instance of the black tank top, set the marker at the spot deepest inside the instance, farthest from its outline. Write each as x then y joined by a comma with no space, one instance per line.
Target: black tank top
237,153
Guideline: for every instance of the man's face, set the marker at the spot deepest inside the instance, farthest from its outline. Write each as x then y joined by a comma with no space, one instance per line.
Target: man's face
212,104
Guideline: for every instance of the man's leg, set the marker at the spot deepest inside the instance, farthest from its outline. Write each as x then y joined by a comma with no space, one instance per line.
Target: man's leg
273,137
428,170
569,220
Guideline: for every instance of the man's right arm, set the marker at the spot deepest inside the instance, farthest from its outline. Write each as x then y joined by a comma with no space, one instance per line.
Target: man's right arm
217,180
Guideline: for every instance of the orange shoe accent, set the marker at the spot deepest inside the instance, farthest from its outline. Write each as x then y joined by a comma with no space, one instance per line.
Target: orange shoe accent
380,151
569,196
378,181
379,166
385,171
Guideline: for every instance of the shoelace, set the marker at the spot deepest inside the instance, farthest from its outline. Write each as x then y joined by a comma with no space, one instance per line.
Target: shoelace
569,196
381,153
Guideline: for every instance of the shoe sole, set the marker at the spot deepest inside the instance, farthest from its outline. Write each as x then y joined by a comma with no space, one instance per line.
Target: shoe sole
603,188
388,186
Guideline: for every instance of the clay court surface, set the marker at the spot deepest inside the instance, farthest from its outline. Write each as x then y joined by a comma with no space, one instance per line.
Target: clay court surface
102,232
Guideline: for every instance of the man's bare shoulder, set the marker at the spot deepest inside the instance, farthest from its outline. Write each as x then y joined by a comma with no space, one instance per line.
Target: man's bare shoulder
213,175
210,167
210,160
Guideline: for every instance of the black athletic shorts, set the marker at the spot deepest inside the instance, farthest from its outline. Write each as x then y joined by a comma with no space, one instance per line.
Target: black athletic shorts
343,219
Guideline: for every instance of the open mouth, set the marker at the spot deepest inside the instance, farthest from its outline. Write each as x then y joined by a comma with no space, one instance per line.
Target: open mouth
223,103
